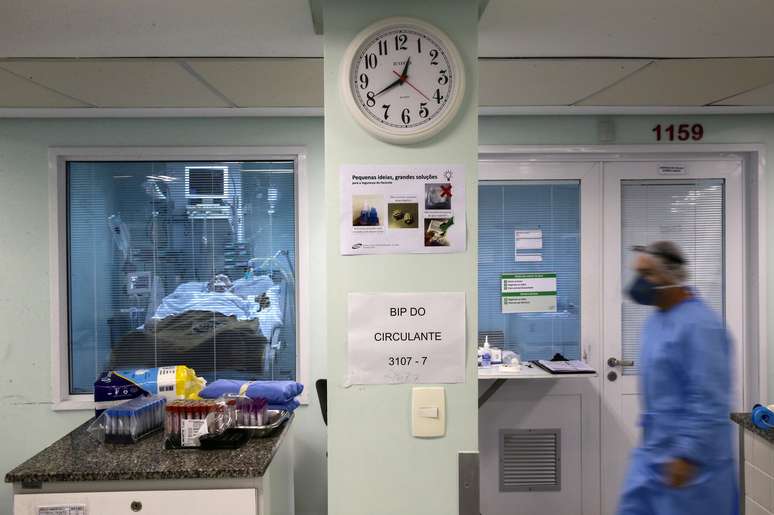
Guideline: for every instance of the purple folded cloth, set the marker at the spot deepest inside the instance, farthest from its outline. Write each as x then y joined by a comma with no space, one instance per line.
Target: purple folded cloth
276,392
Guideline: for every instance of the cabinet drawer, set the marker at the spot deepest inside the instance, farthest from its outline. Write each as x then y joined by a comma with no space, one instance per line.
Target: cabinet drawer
157,502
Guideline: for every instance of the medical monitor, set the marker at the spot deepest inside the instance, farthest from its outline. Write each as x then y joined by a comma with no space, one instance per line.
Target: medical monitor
206,182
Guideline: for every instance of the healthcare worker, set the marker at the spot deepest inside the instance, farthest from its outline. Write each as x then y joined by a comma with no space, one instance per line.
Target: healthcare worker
684,464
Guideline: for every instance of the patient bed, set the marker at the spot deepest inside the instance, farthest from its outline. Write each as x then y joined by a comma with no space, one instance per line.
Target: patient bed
227,334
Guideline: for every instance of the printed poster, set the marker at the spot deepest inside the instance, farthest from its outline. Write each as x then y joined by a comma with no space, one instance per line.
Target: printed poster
406,338
399,209
528,292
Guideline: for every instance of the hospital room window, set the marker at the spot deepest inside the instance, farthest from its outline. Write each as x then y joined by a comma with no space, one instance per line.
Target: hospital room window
530,231
181,263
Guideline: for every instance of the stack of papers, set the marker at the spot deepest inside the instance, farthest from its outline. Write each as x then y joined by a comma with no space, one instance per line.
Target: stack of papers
574,366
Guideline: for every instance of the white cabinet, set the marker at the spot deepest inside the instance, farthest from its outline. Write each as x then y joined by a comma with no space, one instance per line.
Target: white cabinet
241,501
236,492
758,474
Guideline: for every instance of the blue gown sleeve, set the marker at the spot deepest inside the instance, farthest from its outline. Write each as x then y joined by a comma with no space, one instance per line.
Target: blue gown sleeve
707,367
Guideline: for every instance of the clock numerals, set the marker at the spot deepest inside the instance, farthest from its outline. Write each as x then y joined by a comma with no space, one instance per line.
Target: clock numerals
419,45
424,112
363,81
438,97
433,56
383,47
371,61
370,99
386,108
404,116
400,42
443,79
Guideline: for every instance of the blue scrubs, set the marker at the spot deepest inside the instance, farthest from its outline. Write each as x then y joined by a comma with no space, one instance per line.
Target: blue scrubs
685,383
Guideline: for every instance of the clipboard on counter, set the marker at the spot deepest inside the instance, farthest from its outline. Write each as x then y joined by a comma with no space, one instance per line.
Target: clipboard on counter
574,366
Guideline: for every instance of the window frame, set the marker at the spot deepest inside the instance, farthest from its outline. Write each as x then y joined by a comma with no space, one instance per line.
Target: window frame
58,157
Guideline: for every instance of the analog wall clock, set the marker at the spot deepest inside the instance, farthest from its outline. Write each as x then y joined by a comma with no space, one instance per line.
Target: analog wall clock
402,79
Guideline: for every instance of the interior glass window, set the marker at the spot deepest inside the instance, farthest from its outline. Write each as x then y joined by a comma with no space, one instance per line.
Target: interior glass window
689,213
181,263
550,209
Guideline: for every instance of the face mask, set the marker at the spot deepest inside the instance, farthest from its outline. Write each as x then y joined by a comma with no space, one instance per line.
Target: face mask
645,292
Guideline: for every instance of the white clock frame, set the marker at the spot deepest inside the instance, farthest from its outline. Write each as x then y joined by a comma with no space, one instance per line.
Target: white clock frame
393,135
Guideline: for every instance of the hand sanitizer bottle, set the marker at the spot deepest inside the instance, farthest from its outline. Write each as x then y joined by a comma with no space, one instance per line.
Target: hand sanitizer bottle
486,356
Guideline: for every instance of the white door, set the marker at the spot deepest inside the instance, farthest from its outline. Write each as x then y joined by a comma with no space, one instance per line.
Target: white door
698,204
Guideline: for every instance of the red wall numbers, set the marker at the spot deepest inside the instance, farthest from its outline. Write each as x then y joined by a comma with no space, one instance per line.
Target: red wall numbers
682,132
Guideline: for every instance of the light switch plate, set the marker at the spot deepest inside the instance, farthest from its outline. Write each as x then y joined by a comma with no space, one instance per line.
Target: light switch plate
428,411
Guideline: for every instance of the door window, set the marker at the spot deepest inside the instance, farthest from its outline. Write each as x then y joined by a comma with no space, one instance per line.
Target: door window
689,213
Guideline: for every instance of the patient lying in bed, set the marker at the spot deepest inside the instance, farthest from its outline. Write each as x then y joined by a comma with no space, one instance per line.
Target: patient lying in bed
199,318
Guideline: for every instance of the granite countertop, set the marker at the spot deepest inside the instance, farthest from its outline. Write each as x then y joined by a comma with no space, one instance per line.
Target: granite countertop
78,457
745,420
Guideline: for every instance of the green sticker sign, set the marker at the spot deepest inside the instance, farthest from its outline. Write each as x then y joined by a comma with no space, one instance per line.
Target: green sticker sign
528,292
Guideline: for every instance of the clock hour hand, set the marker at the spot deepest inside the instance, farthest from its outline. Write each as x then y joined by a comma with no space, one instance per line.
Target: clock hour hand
401,78
390,86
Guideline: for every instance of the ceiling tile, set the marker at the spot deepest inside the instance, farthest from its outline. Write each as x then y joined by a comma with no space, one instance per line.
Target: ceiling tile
627,28
154,28
121,83
265,82
758,97
548,82
18,92
686,82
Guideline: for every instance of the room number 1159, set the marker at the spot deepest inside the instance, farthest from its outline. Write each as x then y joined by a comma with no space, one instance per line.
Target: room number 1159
682,132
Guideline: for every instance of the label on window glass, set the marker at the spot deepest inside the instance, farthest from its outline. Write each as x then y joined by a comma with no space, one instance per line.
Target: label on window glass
528,293
62,509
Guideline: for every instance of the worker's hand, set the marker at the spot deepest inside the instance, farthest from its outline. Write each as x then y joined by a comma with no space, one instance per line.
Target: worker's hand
679,472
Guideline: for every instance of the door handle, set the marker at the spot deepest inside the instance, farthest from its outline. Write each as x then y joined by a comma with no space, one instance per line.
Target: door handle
615,362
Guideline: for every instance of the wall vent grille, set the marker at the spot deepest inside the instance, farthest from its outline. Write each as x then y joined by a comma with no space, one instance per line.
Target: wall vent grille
530,460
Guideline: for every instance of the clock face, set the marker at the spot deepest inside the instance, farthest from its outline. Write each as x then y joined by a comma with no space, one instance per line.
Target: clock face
404,80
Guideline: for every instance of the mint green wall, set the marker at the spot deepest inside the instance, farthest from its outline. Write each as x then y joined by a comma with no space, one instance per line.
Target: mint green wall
375,466
27,423
24,341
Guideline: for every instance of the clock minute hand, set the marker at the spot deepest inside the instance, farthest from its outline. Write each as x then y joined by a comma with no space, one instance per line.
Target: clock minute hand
404,73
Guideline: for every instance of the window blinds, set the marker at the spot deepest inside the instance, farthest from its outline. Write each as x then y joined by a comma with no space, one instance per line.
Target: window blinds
689,213
144,241
554,208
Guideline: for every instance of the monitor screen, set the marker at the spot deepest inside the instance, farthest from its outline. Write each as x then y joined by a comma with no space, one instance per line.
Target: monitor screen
206,182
